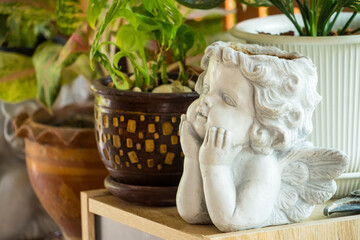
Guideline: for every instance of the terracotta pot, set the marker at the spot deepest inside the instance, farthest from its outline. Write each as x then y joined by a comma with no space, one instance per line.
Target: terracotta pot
61,162
138,140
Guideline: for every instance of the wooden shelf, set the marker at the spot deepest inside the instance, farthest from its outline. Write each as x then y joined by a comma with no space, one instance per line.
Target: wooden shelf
166,223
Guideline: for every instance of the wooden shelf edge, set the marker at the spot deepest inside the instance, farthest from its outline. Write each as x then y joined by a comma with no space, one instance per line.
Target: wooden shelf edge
155,222
335,228
88,218
142,224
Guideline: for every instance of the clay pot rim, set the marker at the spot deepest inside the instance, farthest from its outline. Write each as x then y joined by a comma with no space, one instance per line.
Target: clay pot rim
29,127
98,87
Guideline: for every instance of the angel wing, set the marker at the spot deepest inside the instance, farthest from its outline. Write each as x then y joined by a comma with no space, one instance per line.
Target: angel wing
307,178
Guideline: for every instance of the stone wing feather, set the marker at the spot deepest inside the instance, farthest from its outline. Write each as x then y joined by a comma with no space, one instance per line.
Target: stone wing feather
307,178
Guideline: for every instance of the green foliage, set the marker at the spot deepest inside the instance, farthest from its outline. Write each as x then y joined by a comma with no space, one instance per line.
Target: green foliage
17,77
52,65
150,31
319,16
21,22
94,9
201,4
69,16
50,60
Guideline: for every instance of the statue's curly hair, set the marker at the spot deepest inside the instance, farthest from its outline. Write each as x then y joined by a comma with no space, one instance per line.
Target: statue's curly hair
285,93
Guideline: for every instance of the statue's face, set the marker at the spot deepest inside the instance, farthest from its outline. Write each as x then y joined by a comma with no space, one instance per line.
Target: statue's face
226,102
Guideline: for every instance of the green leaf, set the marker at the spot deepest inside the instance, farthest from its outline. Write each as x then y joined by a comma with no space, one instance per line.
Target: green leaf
164,10
76,44
26,20
201,4
3,28
129,40
259,3
353,4
17,77
187,39
94,9
69,15
48,72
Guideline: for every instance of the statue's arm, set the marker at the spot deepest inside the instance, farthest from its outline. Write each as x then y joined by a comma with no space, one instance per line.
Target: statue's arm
190,199
236,202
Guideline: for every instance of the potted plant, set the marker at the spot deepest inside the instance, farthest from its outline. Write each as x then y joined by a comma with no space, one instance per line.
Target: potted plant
60,146
137,120
336,122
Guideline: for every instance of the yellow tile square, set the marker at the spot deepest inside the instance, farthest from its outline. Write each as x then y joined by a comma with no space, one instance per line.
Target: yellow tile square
151,128
131,126
169,158
167,128
117,159
106,121
133,157
129,143
149,145
116,141
150,163
115,122
163,148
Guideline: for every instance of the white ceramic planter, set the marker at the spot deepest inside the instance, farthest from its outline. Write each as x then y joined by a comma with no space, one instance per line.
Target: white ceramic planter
336,119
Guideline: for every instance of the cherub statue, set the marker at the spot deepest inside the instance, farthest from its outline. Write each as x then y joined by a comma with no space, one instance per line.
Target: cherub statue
247,164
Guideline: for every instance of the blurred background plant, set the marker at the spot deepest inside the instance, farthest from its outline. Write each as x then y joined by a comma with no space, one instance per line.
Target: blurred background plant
44,45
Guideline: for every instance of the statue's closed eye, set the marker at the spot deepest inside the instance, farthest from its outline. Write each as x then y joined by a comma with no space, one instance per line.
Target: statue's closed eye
228,100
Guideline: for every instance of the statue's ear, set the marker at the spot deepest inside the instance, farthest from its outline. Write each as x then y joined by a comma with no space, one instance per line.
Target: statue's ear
200,82
278,140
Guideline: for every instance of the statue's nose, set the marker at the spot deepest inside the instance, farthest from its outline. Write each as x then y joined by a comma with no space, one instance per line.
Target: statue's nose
206,101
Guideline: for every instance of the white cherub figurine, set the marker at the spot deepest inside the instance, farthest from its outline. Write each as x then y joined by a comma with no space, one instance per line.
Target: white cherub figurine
247,164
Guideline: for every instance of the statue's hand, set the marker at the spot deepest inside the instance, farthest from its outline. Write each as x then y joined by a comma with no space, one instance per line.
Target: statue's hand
190,141
216,148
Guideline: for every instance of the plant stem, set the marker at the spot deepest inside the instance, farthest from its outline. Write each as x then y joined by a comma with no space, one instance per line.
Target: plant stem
330,25
290,16
163,66
182,74
304,14
343,30
355,30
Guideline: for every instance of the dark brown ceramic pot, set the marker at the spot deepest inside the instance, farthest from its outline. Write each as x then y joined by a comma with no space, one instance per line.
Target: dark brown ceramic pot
138,140
62,161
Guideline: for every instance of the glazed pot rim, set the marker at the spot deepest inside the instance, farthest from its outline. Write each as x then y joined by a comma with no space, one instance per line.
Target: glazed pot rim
98,87
29,127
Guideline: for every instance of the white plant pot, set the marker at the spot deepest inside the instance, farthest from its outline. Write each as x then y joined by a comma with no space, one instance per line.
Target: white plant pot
336,119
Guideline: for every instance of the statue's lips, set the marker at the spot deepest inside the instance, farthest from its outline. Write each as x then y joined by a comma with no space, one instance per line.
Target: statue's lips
201,118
